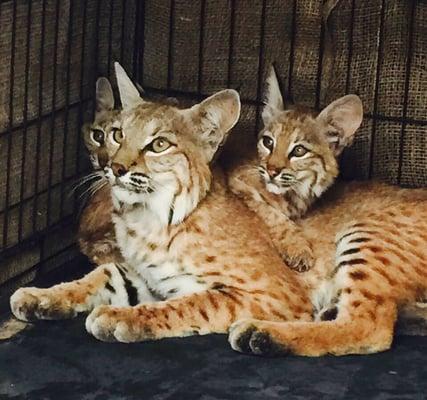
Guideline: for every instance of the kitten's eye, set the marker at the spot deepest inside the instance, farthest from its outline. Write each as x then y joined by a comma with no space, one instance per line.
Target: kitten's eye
298,151
160,144
118,135
268,142
98,136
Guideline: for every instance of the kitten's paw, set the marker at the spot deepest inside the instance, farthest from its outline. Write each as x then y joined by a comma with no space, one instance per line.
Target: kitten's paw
298,257
30,304
116,324
247,336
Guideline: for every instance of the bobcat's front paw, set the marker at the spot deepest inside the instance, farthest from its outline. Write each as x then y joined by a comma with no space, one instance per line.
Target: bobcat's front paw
30,304
247,336
116,324
298,256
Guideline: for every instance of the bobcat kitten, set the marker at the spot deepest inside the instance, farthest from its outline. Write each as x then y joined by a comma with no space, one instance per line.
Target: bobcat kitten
368,240
102,138
294,167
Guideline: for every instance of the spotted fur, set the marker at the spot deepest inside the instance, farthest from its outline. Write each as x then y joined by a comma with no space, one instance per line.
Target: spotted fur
186,268
367,240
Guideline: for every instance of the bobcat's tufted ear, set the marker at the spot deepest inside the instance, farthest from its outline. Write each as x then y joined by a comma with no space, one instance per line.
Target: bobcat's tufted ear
343,117
215,117
104,95
129,94
273,98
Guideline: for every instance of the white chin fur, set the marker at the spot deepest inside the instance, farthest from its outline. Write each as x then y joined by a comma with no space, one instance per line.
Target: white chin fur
128,197
273,188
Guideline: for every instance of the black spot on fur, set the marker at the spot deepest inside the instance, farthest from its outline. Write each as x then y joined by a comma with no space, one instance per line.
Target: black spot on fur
349,263
350,251
110,288
359,240
351,234
217,286
130,290
329,315
170,216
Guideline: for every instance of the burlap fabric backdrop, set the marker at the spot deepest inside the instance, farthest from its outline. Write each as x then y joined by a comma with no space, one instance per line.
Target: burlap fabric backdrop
51,52
371,43
322,50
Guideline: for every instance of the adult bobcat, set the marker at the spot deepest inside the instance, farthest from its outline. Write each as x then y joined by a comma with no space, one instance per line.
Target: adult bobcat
195,259
366,242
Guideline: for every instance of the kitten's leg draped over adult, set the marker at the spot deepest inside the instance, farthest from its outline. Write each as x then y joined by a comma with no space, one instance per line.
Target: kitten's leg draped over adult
107,284
287,237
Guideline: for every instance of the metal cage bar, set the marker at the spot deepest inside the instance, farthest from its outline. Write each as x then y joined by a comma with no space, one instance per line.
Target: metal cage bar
9,138
69,42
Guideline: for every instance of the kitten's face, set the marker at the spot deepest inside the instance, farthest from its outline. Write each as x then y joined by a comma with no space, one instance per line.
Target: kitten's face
297,150
102,138
295,155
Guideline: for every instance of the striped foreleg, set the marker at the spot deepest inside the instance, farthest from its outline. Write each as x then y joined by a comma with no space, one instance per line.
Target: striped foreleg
211,311
107,284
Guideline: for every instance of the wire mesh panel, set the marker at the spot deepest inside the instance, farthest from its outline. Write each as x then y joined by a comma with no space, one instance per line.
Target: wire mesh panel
322,50
52,51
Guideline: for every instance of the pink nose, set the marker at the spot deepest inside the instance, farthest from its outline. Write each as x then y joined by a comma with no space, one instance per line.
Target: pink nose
273,172
118,169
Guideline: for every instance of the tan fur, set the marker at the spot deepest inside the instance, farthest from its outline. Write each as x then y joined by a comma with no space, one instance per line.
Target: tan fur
280,184
386,271
368,241
96,237
195,258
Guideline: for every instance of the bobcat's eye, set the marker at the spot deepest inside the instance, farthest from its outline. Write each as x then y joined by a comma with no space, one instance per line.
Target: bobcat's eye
268,142
160,144
118,135
298,151
98,136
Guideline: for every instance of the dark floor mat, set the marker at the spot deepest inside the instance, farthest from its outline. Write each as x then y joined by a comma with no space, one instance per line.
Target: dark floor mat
59,361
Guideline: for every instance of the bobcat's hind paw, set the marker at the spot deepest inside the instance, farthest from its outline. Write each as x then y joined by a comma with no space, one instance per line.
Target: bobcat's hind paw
247,336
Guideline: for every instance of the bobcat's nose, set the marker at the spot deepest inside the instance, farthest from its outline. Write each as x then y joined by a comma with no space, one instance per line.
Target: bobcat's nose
273,172
118,169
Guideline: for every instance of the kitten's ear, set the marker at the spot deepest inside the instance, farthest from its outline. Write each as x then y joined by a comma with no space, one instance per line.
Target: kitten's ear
273,99
129,94
344,117
215,117
104,95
